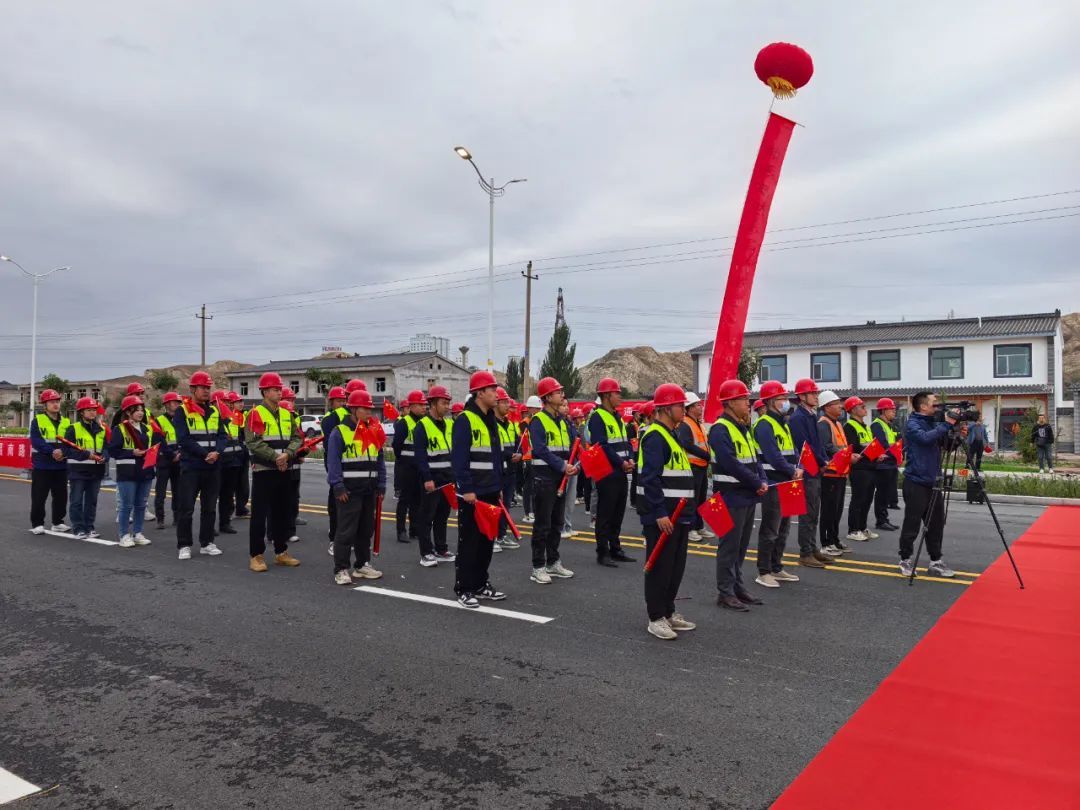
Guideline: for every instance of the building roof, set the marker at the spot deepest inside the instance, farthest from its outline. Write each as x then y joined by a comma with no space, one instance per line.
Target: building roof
4,384
356,362
1043,324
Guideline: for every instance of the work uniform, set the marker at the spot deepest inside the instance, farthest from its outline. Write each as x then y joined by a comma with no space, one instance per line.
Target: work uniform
833,485
329,424
406,479
432,440
358,469
232,460
804,433
887,473
243,484
133,479
47,476
776,451
863,475
476,458
692,438
609,431
737,476
84,473
199,432
527,477
271,488
551,442
167,469
509,434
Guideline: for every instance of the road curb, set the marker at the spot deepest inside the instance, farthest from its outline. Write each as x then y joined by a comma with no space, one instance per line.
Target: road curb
1034,500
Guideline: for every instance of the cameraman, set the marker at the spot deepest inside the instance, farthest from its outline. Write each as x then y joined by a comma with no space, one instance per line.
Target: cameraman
924,439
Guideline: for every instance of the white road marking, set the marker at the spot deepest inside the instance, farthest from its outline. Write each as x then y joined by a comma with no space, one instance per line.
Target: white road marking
12,787
97,540
434,600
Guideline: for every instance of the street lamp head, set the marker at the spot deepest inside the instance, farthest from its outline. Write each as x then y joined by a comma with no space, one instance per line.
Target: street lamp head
463,153
5,258
519,180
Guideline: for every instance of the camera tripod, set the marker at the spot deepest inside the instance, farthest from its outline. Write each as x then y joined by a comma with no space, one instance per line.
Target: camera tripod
950,453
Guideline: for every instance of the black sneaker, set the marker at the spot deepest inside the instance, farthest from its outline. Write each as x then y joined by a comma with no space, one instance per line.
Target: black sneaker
887,526
300,521
243,513
622,556
402,537
468,600
489,594
227,529
605,560
161,524
748,599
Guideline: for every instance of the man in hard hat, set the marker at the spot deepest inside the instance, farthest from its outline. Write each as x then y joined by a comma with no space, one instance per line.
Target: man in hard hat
231,465
863,471
406,478
86,466
288,402
665,479
607,429
476,459
759,410
804,433
431,443
356,473
571,484
336,413
49,472
776,450
887,473
739,480
642,420
691,436
550,434
167,468
833,480
533,406
201,437
273,441
243,488
508,438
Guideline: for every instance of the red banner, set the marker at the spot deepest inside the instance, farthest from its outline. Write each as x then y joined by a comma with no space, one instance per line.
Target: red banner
15,452
755,216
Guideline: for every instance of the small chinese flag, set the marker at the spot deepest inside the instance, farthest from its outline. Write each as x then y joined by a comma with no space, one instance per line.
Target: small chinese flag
841,462
191,406
389,411
238,418
376,433
715,512
450,494
595,463
897,451
873,451
513,417
526,443
255,423
150,459
792,498
807,460
488,516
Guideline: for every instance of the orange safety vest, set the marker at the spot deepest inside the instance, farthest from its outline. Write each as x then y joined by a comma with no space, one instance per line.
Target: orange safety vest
699,441
840,440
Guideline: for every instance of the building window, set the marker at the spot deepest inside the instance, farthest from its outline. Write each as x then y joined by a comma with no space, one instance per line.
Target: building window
295,386
825,367
380,385
774,367
95,393
883,364
947,364
82,393
1012,360
243,389
430,382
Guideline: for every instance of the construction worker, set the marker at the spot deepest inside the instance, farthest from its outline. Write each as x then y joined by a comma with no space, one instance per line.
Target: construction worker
887,472
49,472
776,451
129,443
243,484
231,465
738,478
759,410
288,402
356,473
665,478
642,420
571,483
167,469
804,433
549,434
86,466
863,472
607,429
509,437
431,445
456,410
476,459
533,406
336,413
406,479
201,437
578,420
134,389
833,482
691,436
272,440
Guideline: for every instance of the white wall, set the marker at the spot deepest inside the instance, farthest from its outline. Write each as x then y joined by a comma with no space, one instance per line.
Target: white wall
978,365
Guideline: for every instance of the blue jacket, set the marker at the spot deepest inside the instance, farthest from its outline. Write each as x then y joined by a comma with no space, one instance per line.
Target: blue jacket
650,501
41,458
783,470
461,438
804,430
554,467
192,454
86,472
751,477
922,442
335,447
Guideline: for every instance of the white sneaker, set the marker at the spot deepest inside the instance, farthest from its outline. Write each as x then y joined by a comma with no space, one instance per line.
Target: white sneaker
126,541
858,537
784,576
496,548
61,527
832,551
540,576
149,515
294,539
662,630
141,539
694,536
938,568
1051,470
331,549
676,621
566,535
528,518
708,533
559,570
342,578
185,553
428,561
767,581
906,567
210,549
366,571
871,535
38,530
94,534
81,535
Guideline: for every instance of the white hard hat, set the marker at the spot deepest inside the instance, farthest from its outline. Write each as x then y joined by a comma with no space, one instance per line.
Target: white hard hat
534,402
598,400
827,397
692,398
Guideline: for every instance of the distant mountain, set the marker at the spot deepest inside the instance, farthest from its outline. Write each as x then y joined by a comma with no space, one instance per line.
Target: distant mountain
639,370
1070,361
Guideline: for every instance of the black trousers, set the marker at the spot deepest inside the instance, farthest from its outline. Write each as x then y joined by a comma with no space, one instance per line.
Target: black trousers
731,551
772,534
271,511
294,501
611,493
585,490
977,449
885,479
663,581
168,477
832,507
922,504
548,525
44,483
243,489
407,482
701,493
201,484
527,488
432,515
862,496
509,488
474,549
331,510
354,530
230,483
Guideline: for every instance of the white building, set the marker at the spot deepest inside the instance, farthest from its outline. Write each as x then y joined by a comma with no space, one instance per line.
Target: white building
1005,364
424,342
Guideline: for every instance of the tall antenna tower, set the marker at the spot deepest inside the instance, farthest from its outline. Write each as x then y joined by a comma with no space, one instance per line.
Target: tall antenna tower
560,313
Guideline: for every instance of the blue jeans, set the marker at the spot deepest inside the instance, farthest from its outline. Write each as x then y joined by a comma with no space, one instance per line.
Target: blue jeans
83,503
131,496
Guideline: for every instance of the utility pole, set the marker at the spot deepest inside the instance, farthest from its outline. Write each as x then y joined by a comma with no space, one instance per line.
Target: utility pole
202,316
529,279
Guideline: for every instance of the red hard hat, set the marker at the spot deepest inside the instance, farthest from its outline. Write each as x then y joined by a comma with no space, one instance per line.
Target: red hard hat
628,417
647,409
130,402
201,378
806,386
772,388
669,394
457,408
608,386
353,385
48,395
577,414
172,396
414,398
287,405
758,404
337,392
360,398
85,403
438,392
135,389
288,394
548,385
501,395
852,402
733,389
270,380
230,396
588,408
217,395
481,379
885,404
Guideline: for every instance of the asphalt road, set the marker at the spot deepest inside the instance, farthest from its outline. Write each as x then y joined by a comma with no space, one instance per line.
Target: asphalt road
131,679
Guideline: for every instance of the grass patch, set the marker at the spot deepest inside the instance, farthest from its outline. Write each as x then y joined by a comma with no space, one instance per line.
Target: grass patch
1041,487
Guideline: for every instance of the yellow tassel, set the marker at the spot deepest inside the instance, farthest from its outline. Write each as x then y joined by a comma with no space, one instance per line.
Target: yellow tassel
781,88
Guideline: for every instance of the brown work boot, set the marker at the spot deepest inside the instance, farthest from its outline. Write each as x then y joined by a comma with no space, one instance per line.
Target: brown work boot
257,564
810,561
285,558
822,557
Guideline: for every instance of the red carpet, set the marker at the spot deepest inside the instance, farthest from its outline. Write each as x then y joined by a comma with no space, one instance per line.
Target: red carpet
985,711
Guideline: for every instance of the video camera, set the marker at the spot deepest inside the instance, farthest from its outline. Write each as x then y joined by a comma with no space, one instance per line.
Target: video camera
963,411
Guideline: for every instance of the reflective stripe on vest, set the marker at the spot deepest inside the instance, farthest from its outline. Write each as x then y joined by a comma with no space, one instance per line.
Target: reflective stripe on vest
784,441
438,443
277,433
410,423
558,437
357,462
49,429
91,442
508,436
890,434
699,442
677,479
615,429
745,454
203,430
233,431
481,453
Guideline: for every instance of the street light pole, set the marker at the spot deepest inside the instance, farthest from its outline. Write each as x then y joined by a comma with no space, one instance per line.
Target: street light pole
492,191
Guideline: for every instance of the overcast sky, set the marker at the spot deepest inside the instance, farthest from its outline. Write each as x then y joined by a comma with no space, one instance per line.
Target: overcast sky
290,165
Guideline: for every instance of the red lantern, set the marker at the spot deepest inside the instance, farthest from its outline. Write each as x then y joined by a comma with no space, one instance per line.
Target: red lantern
784,67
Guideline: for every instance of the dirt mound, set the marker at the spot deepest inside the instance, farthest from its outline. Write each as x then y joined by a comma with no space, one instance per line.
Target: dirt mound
639,370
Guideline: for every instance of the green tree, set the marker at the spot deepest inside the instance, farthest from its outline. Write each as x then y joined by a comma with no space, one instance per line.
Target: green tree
1025,441
325,377
61,386
749,366
163,380
515,376
559,361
